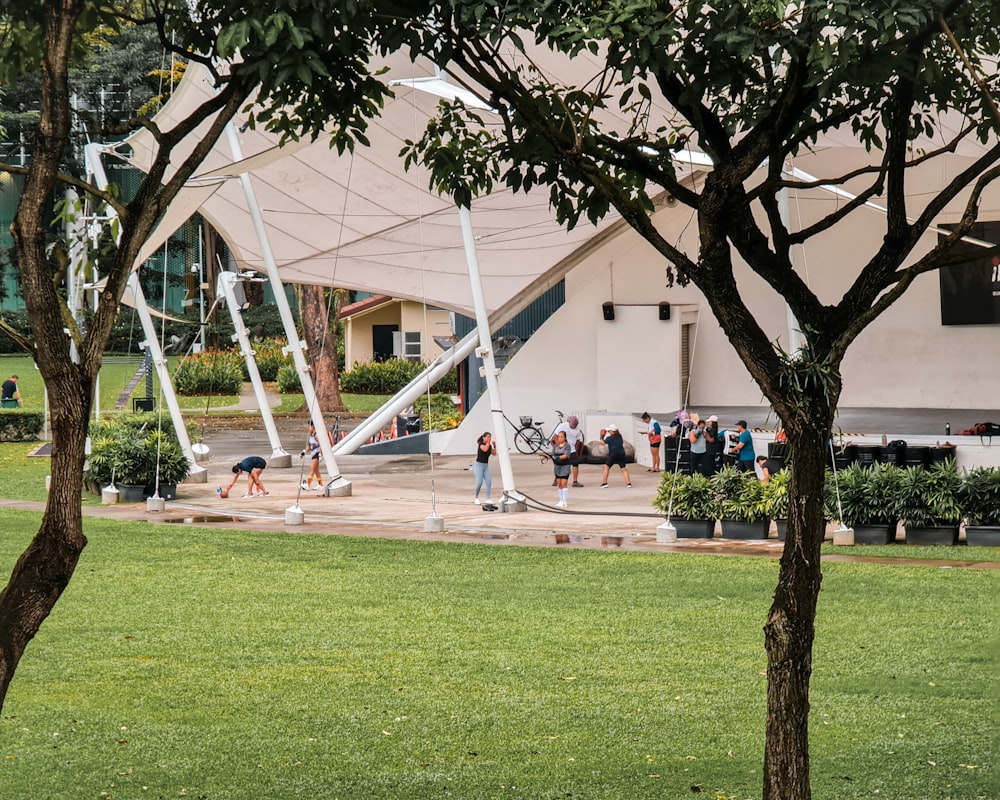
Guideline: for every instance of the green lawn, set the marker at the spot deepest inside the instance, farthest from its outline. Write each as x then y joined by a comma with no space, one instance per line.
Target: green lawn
198,663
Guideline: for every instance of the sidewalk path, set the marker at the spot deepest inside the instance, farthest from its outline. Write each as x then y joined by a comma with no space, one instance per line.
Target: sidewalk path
392,497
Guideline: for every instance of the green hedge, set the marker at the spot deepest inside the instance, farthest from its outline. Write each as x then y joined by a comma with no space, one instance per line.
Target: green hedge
210,372
17,425
388,377
270,359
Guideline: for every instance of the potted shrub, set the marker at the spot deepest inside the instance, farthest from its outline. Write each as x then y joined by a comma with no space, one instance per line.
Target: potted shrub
980,497
137,456
930,505
740,498
688,501
868,496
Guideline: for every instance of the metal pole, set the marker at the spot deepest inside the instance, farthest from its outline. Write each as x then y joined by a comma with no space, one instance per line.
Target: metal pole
337,485
513,501
406,396
224,288
198,473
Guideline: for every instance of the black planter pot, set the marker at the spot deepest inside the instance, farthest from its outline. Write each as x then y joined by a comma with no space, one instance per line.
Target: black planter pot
782,526
130,493
168,491
694,528
883,533
936,534
982,535
737,529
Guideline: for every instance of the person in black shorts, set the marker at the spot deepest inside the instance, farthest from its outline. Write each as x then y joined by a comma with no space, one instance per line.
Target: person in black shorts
616,455
253,466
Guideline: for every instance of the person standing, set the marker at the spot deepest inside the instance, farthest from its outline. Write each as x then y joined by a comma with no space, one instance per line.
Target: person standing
700,457
616,455
574,438
253,466
714,445
9,394
561,462
486,447
744,448
655,436
312,448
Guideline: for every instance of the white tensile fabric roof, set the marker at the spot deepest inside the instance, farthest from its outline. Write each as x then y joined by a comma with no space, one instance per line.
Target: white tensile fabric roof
363,222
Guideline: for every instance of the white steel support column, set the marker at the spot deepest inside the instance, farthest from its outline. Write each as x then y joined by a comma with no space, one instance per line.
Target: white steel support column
224,288
198,473
512,500
794,330
336,485
406,396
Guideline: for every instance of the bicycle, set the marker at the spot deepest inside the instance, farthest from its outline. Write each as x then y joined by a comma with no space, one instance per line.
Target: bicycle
530,438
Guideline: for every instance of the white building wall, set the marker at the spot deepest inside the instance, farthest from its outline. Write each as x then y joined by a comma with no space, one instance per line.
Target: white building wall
608,371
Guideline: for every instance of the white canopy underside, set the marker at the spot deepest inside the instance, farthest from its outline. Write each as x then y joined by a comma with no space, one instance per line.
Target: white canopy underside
361,221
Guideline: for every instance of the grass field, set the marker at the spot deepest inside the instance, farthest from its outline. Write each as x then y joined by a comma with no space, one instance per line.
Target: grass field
185,662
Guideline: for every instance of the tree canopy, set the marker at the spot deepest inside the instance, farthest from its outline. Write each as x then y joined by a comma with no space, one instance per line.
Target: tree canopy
600,102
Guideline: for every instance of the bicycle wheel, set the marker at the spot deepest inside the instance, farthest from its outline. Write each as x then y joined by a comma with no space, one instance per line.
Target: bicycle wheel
528,440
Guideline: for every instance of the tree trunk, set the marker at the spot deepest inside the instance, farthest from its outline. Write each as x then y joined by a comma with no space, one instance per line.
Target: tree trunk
790,628
321,339
46,566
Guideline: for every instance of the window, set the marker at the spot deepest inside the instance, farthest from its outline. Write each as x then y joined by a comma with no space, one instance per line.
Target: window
411,346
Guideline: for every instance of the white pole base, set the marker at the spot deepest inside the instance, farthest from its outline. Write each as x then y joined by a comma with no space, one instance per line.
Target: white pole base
109,496
294,515
512,504
197,475
154,503
337,488
433,524
843,537
666,533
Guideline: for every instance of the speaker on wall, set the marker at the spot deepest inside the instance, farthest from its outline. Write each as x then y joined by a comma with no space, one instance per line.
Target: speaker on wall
609,311
664,311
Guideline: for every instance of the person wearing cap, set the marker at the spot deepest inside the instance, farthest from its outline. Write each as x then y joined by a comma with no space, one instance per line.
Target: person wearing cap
574,438
616,455
744,448
655,435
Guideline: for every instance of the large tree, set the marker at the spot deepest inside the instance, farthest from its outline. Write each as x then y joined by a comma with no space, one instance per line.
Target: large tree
320,309
306,63
750,84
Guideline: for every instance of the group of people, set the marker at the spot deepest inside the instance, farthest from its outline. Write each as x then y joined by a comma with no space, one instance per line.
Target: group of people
567,450
709,446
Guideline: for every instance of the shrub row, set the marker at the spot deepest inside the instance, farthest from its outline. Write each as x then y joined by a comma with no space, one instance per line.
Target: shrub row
223,372
210,372
17,425
388,377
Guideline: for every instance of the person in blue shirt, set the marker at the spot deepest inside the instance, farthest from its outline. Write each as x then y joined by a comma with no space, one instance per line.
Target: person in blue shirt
744,448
